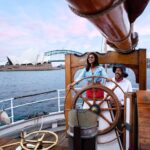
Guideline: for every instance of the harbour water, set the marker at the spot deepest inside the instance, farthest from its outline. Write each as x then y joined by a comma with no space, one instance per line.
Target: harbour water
19,83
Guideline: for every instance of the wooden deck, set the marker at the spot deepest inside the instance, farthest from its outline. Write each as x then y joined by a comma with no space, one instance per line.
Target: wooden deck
4,141
62,143
143,120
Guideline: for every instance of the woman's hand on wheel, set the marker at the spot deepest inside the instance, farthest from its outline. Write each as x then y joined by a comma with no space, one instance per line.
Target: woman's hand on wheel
108,79
71,85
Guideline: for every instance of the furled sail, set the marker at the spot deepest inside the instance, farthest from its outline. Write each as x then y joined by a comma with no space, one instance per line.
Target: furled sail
113,18
135,8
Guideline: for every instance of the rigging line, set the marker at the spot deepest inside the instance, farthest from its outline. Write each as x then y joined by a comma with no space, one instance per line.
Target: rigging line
105,50
41,124
34,94
105,47
36,122
102,45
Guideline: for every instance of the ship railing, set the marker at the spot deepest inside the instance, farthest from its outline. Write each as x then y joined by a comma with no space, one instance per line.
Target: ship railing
59,98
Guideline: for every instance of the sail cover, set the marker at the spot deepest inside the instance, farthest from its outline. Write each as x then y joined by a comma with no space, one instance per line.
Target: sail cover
135,8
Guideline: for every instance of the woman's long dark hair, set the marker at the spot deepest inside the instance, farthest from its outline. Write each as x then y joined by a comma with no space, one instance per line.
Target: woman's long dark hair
95,62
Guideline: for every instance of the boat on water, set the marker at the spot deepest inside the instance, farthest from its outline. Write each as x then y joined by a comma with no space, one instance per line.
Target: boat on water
114,19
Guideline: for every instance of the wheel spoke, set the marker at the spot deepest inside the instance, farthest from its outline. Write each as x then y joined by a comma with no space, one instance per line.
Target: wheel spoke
94,95
100,103
42,137
48,142
114,87
107,95
101,115
37,145
85,100
31,141
93,92
103,99
75,90
107,109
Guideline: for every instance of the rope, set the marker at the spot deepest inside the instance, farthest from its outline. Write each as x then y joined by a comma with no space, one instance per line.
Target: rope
41,124
34,94
110,141
99,12
107,141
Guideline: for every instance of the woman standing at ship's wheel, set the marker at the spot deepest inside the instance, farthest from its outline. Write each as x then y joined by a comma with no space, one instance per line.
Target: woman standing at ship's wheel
92,69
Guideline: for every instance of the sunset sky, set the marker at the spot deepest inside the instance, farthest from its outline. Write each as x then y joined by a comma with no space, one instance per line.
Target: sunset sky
32,27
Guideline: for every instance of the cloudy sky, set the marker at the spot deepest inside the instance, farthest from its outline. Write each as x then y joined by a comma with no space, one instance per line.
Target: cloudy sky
32,27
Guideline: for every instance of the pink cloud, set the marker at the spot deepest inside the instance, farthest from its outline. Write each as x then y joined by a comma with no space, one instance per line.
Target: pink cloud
45,29
77,27
12,33
7,30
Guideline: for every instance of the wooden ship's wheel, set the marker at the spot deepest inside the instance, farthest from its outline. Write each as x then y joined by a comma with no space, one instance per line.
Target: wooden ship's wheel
39,140
108,103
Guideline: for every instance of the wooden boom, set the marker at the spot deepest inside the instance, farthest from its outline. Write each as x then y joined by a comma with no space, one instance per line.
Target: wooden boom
113,18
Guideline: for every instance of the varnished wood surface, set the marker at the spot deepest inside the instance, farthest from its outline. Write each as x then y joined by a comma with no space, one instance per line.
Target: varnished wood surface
6,141
143,99
135,60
